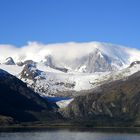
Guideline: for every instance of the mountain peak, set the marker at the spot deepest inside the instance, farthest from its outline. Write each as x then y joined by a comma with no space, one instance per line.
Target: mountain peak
9,61
29,71
48,61
134,63
66,54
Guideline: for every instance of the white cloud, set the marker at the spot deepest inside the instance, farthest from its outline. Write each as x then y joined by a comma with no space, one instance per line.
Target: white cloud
63,51
38,51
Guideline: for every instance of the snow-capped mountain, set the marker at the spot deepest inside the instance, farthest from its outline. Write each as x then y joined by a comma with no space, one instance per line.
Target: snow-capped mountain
97,61
50,82
65,69
83,57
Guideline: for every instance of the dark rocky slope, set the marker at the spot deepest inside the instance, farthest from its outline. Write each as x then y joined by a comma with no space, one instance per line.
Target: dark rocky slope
112,104
21,104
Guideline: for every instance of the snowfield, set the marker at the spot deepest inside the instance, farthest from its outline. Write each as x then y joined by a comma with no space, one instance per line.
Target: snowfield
63,70
52,82
12,69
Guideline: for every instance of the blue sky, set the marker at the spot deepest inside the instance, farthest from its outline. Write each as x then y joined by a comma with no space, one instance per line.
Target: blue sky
53,21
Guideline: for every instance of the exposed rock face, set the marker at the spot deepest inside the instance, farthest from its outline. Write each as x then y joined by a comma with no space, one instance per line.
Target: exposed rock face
29,62
116,103
9,61
49,61
20,63
21,103
37,81
97,62
134,63
30,72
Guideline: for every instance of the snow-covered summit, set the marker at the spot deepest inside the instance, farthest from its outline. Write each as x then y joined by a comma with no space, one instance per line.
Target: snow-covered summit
83,57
